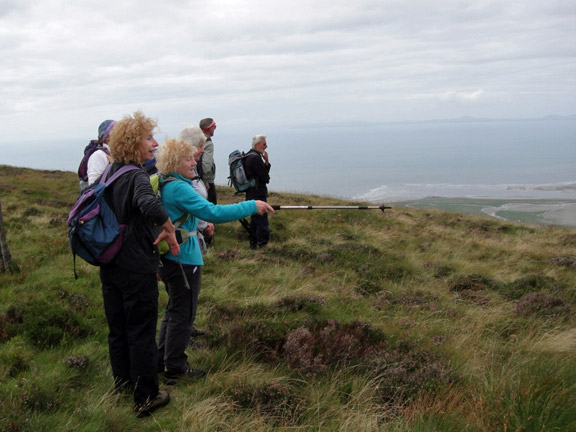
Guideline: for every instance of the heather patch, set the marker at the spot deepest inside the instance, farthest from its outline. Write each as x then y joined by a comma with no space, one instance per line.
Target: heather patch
367,287
316,348
542,305
406,372
569,240
307,346
472,296
79,302
531,284
264,339
40,400
77,362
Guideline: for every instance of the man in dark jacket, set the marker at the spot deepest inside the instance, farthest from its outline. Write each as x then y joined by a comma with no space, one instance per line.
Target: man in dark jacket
257,167
129,284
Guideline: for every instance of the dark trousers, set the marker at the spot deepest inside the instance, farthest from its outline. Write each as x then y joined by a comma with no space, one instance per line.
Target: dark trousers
131,306
178,320
259,230
212,194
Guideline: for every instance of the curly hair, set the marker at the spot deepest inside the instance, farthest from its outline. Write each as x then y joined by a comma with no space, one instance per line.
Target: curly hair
126,137
171,153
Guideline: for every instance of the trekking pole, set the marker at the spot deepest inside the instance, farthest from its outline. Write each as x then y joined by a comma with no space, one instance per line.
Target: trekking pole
246,225
335,207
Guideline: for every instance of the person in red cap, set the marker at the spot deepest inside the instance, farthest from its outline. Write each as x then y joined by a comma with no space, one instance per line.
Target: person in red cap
207,167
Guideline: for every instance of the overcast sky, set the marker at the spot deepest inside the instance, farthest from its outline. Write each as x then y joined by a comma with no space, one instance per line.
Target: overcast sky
256,65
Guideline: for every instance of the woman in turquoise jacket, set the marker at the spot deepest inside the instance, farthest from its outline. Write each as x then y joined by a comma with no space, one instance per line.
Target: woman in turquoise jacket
182,273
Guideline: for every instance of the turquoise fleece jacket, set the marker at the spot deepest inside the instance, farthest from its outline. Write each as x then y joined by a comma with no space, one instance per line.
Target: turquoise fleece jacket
179,198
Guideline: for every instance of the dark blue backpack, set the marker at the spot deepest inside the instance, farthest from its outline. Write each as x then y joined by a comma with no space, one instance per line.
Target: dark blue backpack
95,234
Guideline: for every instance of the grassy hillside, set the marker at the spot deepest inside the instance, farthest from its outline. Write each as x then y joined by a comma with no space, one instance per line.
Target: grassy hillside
409,320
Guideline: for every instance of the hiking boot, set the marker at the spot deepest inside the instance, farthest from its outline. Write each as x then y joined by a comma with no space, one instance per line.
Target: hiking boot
196,332
147,408
171,378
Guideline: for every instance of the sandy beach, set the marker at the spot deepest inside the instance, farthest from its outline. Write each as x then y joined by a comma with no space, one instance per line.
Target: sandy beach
535,211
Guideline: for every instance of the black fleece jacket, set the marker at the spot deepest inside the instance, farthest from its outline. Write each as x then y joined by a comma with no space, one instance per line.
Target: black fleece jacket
255,167
134,203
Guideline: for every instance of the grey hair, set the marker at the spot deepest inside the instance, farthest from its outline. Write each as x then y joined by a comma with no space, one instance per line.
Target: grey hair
192,135
257,138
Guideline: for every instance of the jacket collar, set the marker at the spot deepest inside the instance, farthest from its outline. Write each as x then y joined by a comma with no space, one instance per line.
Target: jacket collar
177,176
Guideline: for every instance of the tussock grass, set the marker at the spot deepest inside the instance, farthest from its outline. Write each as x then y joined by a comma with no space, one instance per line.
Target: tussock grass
409,320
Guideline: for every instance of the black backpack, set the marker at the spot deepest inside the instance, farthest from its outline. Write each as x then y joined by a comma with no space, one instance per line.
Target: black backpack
88,150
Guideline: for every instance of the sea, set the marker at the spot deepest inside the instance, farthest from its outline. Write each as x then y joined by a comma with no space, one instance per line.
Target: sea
515,170
407,161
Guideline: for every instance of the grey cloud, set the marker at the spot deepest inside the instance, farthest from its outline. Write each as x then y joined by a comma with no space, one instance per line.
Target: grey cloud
328,59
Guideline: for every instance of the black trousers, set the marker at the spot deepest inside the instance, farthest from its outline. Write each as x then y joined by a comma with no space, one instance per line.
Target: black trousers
212,194
178,320
259,230
131,306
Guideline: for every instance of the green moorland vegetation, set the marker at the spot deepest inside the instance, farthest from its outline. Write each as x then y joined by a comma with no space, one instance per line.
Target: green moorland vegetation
408,320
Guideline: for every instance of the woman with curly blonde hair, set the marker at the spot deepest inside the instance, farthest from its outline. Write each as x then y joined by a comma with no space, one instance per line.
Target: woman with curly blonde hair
182,273
126,138
129,283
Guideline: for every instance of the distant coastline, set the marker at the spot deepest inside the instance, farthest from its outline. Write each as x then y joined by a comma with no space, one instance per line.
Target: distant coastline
566,187
534,211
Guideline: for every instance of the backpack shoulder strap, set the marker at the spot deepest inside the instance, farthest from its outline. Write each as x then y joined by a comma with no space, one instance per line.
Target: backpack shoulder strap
167,179
122,170
178,222
104,149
